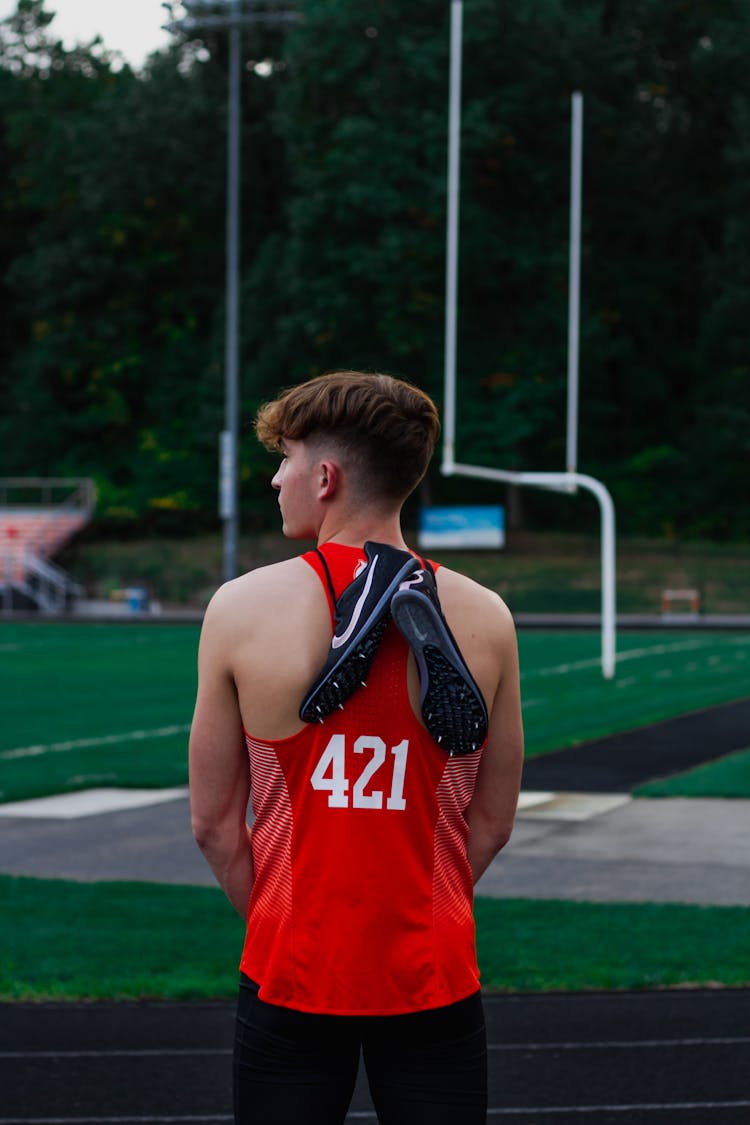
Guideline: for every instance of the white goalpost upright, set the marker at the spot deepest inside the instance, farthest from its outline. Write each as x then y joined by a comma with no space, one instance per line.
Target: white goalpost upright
571,480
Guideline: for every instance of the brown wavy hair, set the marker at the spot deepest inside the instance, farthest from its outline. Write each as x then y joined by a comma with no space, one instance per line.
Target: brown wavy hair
383,428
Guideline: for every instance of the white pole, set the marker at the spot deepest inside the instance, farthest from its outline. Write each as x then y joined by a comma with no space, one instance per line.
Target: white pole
574,279
230,436
451,248
557,481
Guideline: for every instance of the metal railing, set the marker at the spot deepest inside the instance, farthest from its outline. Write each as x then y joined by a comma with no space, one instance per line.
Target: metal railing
48,492
43,582
26,572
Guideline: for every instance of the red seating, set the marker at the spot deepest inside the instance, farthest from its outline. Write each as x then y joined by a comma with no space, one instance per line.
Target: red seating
33,528
39,531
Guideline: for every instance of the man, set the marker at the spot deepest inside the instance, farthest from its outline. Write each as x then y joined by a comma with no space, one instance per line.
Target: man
370,704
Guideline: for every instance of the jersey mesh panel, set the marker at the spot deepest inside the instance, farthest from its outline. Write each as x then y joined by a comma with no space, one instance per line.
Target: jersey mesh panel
272,832
452,878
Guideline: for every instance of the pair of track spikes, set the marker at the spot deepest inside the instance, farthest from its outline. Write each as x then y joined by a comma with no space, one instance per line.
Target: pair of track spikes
394,584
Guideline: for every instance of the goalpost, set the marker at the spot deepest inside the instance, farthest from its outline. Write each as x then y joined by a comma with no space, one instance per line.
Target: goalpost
570,480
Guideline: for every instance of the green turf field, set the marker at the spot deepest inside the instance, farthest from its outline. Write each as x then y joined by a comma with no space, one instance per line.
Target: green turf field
659,675
86,705
726,777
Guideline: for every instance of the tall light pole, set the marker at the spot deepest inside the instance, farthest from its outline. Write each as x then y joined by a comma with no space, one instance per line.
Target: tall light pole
230,15
229,488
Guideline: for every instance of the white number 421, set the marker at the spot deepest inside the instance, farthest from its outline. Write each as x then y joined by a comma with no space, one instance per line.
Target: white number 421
330,773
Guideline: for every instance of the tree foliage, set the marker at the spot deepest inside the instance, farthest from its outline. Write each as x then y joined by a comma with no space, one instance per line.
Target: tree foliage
112,187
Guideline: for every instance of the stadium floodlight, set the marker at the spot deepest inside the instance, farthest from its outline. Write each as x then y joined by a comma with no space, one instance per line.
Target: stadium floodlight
190,18
563,482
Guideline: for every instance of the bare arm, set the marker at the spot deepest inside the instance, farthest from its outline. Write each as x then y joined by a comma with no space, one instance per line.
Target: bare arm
493,807
219,765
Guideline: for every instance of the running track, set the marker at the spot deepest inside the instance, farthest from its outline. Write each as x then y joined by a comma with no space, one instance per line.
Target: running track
679,1057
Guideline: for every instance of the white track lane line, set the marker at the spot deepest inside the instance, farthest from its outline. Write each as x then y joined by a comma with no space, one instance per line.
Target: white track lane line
634,1107
541,1111
199,1118
369,1115
563,1045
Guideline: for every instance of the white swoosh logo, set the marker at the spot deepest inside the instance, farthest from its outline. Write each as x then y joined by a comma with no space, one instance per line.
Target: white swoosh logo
337,642
420,635
417,580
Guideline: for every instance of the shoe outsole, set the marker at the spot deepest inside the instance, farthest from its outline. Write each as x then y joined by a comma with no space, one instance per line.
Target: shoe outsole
350,671
452,705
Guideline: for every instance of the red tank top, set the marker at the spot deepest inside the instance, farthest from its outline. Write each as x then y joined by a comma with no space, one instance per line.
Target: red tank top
362,899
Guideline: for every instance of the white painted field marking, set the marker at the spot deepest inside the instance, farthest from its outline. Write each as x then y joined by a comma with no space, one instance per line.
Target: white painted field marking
16,646
528,799
89,802
628,654
84,743
569,806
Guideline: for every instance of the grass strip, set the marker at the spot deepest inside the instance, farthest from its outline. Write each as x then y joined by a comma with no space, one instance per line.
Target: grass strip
63,940
539,946
68,940
725,777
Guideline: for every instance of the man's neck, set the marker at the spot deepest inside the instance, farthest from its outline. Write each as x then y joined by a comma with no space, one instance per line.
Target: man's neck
355,532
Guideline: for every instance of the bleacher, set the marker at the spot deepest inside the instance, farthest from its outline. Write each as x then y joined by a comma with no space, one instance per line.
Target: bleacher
38,516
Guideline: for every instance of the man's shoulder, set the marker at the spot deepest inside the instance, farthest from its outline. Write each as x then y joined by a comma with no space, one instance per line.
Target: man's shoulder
460,593
265,587
457,582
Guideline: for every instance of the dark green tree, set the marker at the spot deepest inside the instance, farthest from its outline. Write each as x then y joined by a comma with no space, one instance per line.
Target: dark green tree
117,291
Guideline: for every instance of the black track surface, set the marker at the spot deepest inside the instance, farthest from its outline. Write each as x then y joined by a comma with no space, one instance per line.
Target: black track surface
618,763
661,1058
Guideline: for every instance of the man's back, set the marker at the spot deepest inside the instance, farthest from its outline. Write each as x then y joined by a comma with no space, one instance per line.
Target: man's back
275,628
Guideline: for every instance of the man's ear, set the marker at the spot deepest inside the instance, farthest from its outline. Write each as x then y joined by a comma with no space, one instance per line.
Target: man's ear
329,480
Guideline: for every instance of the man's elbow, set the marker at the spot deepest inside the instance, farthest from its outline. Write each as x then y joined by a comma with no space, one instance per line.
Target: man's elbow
208,833
500,835
495,832
203,832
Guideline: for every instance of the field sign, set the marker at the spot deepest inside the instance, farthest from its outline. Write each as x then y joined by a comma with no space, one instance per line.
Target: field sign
472,526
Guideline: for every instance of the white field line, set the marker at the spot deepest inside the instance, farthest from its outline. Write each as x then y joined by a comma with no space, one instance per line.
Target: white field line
628,654
85,743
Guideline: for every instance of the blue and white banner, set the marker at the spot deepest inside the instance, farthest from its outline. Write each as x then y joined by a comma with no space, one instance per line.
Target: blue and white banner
472,527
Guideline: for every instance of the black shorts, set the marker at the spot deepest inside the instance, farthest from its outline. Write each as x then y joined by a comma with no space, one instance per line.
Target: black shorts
294,1068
